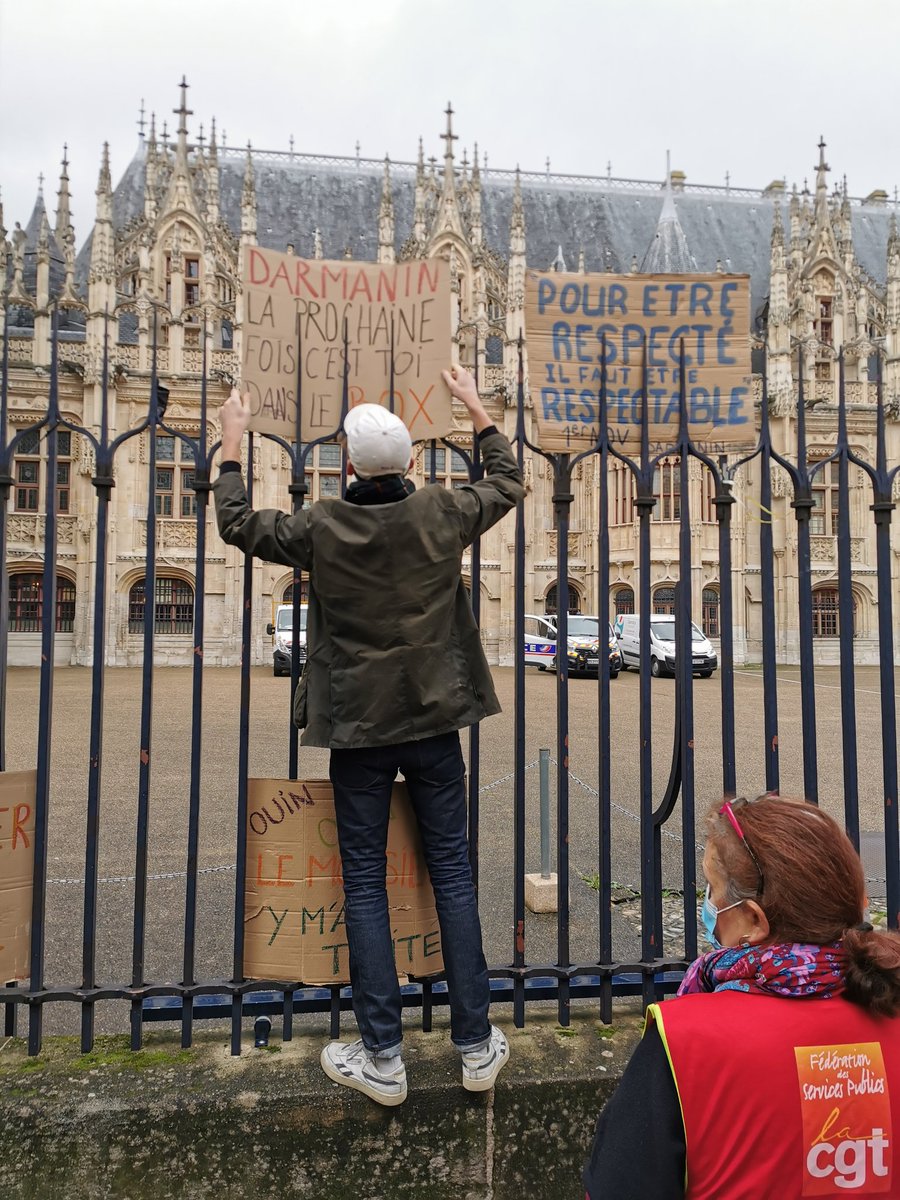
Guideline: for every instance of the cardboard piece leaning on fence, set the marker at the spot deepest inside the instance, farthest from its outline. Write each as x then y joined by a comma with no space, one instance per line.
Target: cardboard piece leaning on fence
17,806
294,898
295,305
567,317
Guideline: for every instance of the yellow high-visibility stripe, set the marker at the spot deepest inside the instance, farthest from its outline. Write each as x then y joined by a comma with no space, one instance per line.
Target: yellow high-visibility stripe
654,1013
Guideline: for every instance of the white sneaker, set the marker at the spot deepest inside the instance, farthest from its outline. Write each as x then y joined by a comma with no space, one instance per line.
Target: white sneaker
481,1067
351,1064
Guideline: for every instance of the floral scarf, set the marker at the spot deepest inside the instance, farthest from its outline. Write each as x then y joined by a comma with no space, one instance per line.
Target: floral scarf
794,970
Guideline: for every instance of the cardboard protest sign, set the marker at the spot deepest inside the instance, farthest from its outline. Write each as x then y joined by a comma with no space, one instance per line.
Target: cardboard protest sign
301,307
294,925
17,807
568,316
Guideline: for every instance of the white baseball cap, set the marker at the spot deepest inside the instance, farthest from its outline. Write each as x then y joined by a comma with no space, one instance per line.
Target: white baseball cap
378,443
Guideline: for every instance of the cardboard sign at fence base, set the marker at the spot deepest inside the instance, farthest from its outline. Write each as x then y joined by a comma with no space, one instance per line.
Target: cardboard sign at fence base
297,308
17,805
294,926
569,318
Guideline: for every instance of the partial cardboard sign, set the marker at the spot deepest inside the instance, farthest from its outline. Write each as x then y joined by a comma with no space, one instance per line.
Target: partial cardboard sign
296,306
294,926
569,316
18,794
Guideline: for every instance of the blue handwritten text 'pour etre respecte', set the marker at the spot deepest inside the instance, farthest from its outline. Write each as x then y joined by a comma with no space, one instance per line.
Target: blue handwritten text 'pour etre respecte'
694,313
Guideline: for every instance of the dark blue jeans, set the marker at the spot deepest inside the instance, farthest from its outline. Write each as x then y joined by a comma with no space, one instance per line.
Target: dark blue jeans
435,777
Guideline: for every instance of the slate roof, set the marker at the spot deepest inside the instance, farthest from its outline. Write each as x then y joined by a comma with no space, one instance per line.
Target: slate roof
610,220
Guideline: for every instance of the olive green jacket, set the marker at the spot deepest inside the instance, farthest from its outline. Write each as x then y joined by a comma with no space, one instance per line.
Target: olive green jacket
393,651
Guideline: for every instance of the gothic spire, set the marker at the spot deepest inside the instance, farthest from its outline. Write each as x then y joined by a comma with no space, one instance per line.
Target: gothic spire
669,252
447,217
517,219
248,197
386,217
63,205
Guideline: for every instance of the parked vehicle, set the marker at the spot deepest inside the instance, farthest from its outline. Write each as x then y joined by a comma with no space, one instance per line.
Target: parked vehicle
583,637
540,641
282,630
663,657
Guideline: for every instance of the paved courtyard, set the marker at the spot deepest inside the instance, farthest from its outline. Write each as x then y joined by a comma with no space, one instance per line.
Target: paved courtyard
269,757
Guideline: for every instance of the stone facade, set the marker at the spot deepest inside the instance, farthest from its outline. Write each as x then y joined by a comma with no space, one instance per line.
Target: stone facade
161,267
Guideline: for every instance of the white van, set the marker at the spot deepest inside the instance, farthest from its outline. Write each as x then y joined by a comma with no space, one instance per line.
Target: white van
662,645
282,630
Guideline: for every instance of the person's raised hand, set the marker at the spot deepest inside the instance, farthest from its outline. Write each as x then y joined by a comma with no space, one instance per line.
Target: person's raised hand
234,417
462,386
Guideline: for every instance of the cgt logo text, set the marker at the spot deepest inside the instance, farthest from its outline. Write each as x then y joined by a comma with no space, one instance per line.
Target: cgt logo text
848,1162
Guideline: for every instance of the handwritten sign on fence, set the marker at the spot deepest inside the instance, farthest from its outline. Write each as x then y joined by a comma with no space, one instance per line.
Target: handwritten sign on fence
567,318
295,313
294,926
17,806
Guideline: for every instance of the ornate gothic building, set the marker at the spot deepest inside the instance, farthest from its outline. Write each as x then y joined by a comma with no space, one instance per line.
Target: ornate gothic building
164,258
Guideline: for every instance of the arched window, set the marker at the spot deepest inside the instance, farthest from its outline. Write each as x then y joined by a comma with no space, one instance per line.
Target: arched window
624,600
288,596
26,593
173,608
621,494
551,601
710,601
664,601
667,490
493,350
826,613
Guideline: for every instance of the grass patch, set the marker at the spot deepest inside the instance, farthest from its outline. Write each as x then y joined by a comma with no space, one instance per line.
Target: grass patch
566,1031
110,1051
605,1032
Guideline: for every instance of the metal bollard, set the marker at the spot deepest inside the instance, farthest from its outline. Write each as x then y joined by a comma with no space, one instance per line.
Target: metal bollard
545,813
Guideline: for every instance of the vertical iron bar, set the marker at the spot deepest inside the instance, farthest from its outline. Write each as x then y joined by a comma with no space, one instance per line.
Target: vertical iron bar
883,508
475,730
519,716
724,501
802,505
562,501
143,813
243,776
298,490
45,718
845,620
201,491
604,730
644,502
684,660
103,483
544,764
767,597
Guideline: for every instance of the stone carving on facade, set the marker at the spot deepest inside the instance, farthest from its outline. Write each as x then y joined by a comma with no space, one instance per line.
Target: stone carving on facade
822,548
574,542
87,461
780,481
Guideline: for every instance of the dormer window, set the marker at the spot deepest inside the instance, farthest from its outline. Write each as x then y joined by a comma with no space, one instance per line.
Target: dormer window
825,323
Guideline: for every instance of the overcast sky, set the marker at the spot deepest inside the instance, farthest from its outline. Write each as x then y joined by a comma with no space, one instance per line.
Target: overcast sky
725,84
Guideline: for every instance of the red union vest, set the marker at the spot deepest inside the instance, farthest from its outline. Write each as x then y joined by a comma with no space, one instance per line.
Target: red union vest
784,1098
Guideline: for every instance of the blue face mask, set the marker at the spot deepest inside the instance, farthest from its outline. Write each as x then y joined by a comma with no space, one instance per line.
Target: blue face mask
710,917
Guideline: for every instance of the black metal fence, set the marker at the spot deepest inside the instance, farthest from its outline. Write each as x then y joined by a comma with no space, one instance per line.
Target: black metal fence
597,978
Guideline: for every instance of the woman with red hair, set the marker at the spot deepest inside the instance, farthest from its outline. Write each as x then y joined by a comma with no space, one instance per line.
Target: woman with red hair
775,1072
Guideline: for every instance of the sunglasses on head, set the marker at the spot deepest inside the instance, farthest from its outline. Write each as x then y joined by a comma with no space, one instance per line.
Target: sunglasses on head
728,811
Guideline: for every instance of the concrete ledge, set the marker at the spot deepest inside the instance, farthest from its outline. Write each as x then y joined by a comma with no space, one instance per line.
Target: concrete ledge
169,1123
